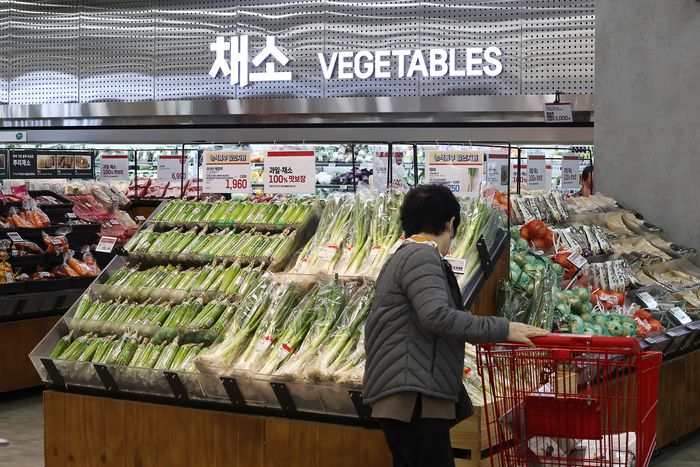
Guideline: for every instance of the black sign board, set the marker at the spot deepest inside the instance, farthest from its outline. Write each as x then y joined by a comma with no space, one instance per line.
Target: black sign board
3,164
37,163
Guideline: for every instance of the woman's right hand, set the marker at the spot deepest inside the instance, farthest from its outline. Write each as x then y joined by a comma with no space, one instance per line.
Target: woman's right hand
522,333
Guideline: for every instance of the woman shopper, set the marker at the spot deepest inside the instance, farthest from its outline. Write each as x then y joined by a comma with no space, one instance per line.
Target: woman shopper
415,334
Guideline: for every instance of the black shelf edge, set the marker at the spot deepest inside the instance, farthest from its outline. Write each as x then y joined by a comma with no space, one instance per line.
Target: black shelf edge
471,290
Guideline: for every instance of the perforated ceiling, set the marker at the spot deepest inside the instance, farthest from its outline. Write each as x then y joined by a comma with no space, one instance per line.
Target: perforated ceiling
66,51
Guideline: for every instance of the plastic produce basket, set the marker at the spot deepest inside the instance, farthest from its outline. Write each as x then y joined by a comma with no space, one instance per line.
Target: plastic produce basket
546,413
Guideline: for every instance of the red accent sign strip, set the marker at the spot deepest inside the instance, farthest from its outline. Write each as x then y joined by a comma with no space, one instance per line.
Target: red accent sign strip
291,154
114,156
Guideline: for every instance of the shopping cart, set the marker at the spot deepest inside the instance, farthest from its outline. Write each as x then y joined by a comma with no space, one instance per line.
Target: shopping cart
571,401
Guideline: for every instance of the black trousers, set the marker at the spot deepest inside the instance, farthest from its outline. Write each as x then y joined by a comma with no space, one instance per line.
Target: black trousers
422,442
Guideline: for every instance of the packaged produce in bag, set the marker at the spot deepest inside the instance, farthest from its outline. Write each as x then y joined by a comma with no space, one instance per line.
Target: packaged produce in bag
57,243
6,273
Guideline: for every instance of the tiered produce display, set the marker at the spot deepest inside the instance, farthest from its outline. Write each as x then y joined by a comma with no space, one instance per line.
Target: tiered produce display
257,291
602,270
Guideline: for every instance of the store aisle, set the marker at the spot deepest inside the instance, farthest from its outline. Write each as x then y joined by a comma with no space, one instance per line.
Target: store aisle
21,422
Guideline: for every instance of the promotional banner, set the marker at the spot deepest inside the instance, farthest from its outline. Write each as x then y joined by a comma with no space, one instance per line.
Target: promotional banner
536,172
171,167
570,173
39,164
497,171
290,172
114,168
381,168
461,171
227,172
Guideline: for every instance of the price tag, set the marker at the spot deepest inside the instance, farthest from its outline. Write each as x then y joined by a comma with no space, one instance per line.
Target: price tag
14,236
458,265
680,315
648,300
71,215
577,260
263,344
106,244
570,178
227,172
290,172
140,218
331,165
9,278
460,171
171,168
114,167
6,192
380,169
558,113
536,172
114,222
56,242
497,171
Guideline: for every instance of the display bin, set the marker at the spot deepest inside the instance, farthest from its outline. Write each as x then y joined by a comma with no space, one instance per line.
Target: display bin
82,282
28,263
213,388
56,212
12,288
50,285
337,399
679,335
693,340
658,343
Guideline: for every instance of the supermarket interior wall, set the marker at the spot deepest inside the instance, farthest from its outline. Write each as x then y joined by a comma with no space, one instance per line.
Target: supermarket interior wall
647,114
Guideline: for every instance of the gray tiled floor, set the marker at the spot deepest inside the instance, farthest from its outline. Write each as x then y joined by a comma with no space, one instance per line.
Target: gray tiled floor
21,422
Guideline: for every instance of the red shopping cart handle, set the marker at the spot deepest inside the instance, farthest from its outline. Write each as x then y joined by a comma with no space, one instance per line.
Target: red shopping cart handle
582,341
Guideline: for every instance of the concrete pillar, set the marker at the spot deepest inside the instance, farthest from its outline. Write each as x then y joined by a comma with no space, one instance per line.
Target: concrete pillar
647,110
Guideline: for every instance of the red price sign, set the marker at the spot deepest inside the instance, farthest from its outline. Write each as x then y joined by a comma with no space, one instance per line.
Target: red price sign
237,184
290,172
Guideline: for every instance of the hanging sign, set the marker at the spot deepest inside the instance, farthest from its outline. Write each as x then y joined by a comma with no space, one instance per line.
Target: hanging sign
381,168
171,167
38,164
290,172
558,113
497,171
13,136
570,173
536,172
114,168
227,172
460,171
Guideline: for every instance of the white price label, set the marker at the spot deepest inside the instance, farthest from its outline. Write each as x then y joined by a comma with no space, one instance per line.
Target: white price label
114,167
648,300
171,168
577,260
9,278
680,315
106,244
70,215
460,171
263,344
558,113
14,236
227,172
536,172
570,179
328,253
380,171
290,172
458,265
6,192
140,218
114,222
497,171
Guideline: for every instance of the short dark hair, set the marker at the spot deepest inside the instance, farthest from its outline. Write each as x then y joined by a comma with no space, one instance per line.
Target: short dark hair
586,174
427,208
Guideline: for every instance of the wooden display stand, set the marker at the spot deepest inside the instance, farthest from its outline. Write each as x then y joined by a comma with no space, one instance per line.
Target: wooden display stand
17,339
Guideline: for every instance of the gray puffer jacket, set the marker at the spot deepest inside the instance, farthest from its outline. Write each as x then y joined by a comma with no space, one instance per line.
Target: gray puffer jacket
415,332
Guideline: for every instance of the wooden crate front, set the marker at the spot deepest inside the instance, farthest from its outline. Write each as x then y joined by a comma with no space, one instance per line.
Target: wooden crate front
17,339
87,431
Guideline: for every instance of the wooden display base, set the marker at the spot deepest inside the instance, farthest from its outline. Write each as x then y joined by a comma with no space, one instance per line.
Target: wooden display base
678,412
17,339
98,431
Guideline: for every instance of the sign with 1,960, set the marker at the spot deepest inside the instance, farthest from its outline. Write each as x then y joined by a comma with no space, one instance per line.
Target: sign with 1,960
227,172
40,164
